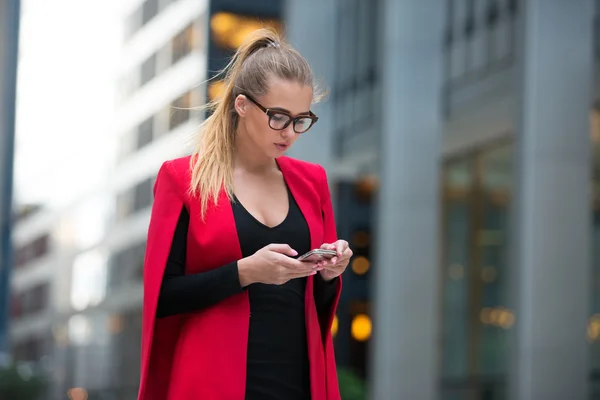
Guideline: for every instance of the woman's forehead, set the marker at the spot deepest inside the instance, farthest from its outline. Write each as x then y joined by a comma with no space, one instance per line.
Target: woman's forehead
289,95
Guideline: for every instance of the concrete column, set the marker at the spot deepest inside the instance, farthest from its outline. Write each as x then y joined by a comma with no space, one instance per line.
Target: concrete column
9,32
552,226
310,28
407,315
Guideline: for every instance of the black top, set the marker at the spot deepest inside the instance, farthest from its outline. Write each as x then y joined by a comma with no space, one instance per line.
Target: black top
277,358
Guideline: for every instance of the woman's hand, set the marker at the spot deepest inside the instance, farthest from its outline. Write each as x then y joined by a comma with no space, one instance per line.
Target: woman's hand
273,264
335,266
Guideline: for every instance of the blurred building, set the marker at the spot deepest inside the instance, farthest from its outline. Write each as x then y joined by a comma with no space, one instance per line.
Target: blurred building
488,87
163,64
77,287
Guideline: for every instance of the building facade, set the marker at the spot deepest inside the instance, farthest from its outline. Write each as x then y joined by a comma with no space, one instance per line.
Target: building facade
488,112
78,275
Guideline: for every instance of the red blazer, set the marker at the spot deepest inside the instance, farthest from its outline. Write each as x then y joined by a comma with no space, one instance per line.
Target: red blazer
202,355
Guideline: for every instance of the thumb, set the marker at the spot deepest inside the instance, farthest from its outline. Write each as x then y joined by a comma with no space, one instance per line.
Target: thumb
328,246
283,249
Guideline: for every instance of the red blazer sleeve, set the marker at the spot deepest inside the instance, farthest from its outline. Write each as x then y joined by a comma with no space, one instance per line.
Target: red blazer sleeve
158,336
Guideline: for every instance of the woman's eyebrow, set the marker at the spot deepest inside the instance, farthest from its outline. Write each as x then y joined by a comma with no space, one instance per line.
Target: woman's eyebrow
287,111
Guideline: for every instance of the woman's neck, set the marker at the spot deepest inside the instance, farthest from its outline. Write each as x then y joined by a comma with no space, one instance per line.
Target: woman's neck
247,157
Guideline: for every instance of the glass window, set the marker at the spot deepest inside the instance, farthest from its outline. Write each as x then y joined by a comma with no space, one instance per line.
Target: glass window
126,266
476,319
30,349
31,300
148,70
149,10
31,251
479,39
356,77
142,195
182,44
126,353
145,133
180,110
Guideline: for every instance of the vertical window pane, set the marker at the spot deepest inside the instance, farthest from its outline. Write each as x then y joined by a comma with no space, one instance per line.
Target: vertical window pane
183,44
149,10
142,195
180,110
148,70
145,133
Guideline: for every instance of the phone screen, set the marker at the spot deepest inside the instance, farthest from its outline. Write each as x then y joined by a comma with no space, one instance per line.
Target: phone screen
317,255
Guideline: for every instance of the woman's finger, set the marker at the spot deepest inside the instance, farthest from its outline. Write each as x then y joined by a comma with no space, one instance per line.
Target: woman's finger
294,275
341,246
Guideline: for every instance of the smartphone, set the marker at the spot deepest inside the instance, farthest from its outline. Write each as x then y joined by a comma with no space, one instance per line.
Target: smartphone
318,255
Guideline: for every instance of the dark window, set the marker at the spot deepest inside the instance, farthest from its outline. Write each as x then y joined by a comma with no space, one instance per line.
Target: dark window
30,349
149,10
134,199
30,301
145,133
148,70
126,266
356,71
479,39
142,197
15,305
31,251
127,351
180,110
183,44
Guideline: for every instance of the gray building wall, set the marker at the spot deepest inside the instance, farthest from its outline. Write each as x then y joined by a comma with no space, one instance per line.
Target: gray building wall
520,129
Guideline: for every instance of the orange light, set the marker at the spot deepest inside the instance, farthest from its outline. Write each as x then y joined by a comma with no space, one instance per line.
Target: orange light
77,394
237,38
360,265
360,239
215,90
229,30
361,327
223,23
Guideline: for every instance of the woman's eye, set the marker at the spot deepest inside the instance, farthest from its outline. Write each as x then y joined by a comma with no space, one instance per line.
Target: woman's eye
279,118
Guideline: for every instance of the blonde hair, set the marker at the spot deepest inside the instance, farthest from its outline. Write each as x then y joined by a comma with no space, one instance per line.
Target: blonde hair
262,55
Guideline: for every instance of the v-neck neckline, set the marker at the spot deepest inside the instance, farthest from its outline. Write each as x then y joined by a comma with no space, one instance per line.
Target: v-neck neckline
261,224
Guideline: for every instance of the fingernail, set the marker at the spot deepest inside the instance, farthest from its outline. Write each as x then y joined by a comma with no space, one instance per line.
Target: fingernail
313,273
321,269
294,252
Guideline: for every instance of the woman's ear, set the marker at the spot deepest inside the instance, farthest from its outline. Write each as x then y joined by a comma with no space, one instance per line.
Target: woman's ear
241,105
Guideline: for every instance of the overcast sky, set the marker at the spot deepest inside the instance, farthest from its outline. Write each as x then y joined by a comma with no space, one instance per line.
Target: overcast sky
65,97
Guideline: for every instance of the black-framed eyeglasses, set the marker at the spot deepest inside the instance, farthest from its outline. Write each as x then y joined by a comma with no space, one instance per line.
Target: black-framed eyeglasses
279,119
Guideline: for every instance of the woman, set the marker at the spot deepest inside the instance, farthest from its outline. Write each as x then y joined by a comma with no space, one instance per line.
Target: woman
229,312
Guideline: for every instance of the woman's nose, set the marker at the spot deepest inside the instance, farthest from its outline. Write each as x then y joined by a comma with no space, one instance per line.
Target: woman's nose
288,132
